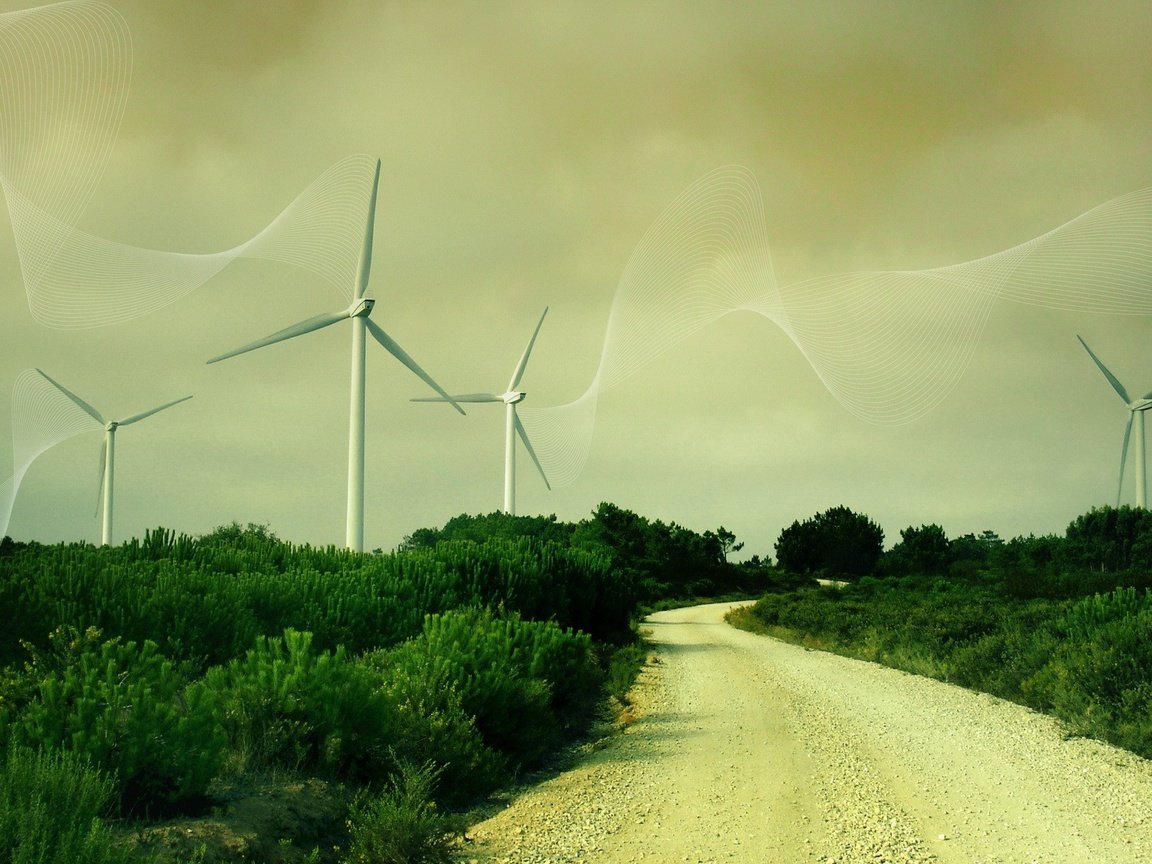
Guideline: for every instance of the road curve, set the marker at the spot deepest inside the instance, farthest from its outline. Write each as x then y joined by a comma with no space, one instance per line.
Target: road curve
751,750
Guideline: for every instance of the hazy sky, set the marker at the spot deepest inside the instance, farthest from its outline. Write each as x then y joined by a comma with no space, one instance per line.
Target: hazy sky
526,148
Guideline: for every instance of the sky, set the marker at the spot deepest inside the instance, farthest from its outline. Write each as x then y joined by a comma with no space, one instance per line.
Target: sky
526,148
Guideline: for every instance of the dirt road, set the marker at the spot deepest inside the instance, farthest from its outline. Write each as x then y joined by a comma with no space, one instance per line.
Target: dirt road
751,750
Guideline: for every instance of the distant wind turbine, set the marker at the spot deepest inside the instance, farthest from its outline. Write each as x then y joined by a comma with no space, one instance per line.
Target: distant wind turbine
358,312
1136,409
512,425
108,448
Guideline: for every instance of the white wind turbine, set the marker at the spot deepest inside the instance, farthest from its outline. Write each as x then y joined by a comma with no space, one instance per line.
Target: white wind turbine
1136,409
108,448
512,425
358,312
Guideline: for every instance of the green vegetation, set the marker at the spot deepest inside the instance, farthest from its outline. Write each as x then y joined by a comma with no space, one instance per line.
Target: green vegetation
837,544
656,560
402,824
1061,624
121,706
151,679
157,675
50,809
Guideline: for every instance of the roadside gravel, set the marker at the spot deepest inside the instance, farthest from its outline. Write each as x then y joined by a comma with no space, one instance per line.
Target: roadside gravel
747,749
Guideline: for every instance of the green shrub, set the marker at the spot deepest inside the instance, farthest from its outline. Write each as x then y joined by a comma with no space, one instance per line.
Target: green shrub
402,825
50,809
427,724
1098,678
205,600
623,667
519,679
461,656
285,704
127,709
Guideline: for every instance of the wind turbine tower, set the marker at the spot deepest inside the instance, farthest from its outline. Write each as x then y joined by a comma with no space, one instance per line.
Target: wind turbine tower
358,312
108,449
1136,409
511,397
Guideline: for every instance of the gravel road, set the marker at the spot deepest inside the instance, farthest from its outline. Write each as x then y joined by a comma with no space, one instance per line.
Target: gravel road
747,749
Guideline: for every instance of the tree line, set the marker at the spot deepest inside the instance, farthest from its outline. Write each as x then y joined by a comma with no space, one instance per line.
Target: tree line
1099,550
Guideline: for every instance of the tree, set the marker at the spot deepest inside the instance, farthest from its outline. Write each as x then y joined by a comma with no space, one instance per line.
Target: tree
724,541
838,543
1109,539
923,551
481,528
666,559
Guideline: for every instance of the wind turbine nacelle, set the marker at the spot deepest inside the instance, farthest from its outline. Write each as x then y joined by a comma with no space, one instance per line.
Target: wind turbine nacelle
362,309
512,397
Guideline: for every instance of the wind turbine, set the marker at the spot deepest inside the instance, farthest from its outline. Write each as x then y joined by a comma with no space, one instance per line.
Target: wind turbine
358,312
1136,409
108,448
512,425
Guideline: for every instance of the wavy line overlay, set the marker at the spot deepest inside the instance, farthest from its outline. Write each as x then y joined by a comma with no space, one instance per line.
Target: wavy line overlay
66,70
42,417
889,345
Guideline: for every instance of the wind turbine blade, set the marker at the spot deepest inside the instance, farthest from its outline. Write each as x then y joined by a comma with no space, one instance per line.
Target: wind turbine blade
465,397
531,452
366,247
1124,456
305,326
1116,385
100,476
135,417
84,406
391,346
519,372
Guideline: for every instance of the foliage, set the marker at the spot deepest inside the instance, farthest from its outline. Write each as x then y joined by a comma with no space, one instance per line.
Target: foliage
123,706
50,809
1098,676
665,560
473,649
206,600
925,550
836,543
492,526
402,825
285,703
521,680
429,724
304,658
1110,539
648,559
623,667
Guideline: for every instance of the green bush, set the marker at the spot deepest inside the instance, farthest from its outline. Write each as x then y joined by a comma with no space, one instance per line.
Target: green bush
623,667
1098,678
519,679
127,709
302,658
206,600
402,825
427,723
50,809
285,704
